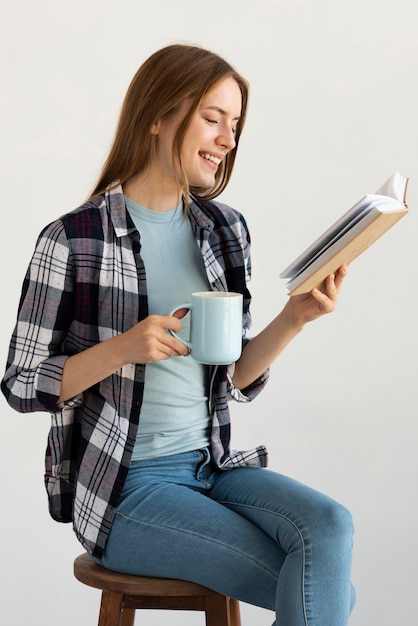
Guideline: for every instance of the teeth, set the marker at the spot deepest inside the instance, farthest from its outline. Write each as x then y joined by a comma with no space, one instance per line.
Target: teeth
212,158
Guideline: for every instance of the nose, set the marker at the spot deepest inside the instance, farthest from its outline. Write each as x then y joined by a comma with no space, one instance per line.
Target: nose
227,138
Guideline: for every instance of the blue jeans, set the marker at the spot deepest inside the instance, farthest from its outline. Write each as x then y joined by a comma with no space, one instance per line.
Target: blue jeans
251,534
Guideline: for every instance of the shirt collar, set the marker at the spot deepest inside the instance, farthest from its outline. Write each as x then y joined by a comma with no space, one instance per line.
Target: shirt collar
115,204
123,226
199,215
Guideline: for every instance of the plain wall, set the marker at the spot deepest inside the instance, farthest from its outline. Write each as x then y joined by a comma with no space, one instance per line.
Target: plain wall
333,113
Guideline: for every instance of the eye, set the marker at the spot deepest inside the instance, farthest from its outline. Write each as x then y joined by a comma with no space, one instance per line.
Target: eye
213,122
210,121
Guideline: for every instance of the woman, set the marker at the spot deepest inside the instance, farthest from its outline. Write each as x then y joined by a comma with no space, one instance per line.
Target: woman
139,455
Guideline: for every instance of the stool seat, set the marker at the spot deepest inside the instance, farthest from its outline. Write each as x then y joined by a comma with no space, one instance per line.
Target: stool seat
122,594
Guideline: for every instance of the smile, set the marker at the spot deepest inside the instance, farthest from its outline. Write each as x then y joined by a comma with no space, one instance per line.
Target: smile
210,157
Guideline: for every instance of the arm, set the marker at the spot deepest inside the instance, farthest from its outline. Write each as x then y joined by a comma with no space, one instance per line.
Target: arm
145,342
35,360
40,374
263,350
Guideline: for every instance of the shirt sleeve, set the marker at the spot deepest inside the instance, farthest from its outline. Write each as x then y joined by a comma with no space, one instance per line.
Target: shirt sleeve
250,392
32,381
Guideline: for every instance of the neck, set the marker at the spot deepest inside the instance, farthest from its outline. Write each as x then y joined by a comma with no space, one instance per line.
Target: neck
152,191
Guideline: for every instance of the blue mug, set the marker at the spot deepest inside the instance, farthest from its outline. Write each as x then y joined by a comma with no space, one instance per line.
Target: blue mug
215,326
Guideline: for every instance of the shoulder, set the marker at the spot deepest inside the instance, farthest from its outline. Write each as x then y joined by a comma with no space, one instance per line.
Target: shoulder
87,220
84,222
218,214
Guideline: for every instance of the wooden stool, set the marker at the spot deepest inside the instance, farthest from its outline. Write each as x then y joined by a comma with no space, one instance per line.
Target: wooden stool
122,594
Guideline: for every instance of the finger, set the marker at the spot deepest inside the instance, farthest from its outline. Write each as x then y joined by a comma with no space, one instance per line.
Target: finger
165,350
173,346
171,322
333,282
157,343
340,275
179,348
331,290
325,303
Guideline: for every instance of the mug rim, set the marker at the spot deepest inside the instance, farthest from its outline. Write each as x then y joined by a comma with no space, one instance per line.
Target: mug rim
216,294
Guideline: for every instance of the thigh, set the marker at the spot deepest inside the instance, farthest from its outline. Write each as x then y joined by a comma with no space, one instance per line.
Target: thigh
313,530
169,530
285,509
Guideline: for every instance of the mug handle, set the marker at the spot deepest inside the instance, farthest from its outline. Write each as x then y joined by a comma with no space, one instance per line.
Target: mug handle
186,305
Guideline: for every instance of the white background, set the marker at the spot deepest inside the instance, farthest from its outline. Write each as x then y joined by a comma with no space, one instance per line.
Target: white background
333,113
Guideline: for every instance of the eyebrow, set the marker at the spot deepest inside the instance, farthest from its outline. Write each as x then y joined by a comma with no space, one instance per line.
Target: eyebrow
214,107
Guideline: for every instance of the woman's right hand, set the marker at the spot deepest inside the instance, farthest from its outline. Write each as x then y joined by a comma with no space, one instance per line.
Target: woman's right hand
149,340
145,342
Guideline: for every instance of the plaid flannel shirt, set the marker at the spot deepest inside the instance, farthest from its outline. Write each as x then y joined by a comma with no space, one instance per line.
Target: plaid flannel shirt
85,284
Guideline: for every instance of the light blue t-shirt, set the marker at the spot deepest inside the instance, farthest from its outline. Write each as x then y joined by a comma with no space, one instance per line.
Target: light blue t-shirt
174,413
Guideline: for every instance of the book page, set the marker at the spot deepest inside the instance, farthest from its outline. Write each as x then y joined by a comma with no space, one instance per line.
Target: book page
333,234
390,201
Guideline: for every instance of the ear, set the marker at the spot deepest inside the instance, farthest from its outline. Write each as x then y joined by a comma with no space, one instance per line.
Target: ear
155,128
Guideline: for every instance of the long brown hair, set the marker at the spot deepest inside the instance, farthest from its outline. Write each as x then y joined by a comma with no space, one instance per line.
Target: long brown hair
165,80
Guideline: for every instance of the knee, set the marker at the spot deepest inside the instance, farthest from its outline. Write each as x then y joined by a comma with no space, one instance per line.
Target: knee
336,522
352,597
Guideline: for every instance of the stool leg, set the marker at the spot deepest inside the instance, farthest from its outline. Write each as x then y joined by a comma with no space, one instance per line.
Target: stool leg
128,617
217,610
235,615
111,609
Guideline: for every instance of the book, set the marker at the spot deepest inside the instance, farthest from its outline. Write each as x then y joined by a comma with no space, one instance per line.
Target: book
349,236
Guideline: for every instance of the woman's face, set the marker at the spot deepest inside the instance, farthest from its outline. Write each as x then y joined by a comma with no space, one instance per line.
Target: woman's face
208,138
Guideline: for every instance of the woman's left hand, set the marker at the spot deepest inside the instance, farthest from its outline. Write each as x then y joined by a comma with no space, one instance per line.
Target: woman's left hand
309,306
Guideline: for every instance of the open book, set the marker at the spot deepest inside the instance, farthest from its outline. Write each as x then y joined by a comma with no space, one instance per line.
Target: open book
353,233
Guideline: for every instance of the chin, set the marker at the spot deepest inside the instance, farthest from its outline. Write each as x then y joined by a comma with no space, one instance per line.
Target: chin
204,182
